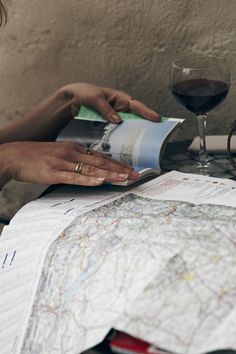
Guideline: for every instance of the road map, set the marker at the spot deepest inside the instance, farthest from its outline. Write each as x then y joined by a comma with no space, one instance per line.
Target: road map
160,270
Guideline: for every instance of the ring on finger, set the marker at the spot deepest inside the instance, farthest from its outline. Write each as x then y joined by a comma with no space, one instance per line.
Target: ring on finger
131,99
78,167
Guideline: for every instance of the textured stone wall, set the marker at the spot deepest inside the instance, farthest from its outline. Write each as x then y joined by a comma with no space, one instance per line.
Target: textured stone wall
127,44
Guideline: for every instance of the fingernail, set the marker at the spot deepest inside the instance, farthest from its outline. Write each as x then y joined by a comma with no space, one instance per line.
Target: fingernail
100,179
115,118
156,117
123,175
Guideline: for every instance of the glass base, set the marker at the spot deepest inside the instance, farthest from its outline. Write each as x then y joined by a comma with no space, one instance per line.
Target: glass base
211,168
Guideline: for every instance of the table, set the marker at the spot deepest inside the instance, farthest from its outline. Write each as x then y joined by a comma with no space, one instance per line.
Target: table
177,155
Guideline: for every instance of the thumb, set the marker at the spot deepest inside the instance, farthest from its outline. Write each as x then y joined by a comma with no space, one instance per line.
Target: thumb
106,110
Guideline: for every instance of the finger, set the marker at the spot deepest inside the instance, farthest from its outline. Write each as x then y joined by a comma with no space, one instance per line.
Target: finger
73,152
132,173
106,163
117,99
85,151
89,170
122,101
92,171
106,110
67,162
78,152
66,177
139,108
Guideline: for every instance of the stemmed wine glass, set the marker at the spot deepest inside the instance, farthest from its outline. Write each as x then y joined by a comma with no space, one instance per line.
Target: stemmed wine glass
200,83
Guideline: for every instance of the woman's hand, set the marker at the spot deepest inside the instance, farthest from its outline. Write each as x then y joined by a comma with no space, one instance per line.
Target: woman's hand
52,163
59,162
47,120
107,101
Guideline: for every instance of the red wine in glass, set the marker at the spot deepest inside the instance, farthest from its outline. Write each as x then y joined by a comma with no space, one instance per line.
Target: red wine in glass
200,95
200,83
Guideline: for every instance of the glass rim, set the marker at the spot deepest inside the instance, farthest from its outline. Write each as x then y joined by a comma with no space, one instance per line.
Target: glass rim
218,60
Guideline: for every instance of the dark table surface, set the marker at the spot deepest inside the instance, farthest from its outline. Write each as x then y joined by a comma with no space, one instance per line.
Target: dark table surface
176,156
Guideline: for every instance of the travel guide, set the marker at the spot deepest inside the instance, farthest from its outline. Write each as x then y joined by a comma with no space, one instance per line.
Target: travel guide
136,141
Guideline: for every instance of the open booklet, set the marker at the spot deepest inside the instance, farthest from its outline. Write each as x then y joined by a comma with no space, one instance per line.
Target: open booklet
136,141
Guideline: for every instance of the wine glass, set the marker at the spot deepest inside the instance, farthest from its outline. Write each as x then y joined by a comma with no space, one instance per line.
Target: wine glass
200,83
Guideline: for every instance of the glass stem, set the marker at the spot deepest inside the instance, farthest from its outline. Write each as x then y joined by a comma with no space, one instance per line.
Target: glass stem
203,157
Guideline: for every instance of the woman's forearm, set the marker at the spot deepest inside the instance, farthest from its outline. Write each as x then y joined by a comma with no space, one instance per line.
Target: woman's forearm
44,123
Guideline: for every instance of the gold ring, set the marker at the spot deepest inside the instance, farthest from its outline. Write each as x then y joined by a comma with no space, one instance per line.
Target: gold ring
129,103
78,167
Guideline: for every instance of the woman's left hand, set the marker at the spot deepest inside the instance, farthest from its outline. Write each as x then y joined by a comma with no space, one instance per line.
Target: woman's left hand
107,101
47,120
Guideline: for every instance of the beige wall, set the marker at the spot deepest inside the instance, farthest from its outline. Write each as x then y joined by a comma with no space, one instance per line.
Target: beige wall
128,44
123,43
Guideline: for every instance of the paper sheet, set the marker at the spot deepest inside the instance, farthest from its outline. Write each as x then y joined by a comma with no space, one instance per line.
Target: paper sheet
27,238
158,263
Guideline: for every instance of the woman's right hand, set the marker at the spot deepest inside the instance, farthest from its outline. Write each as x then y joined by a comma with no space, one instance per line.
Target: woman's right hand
59,162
